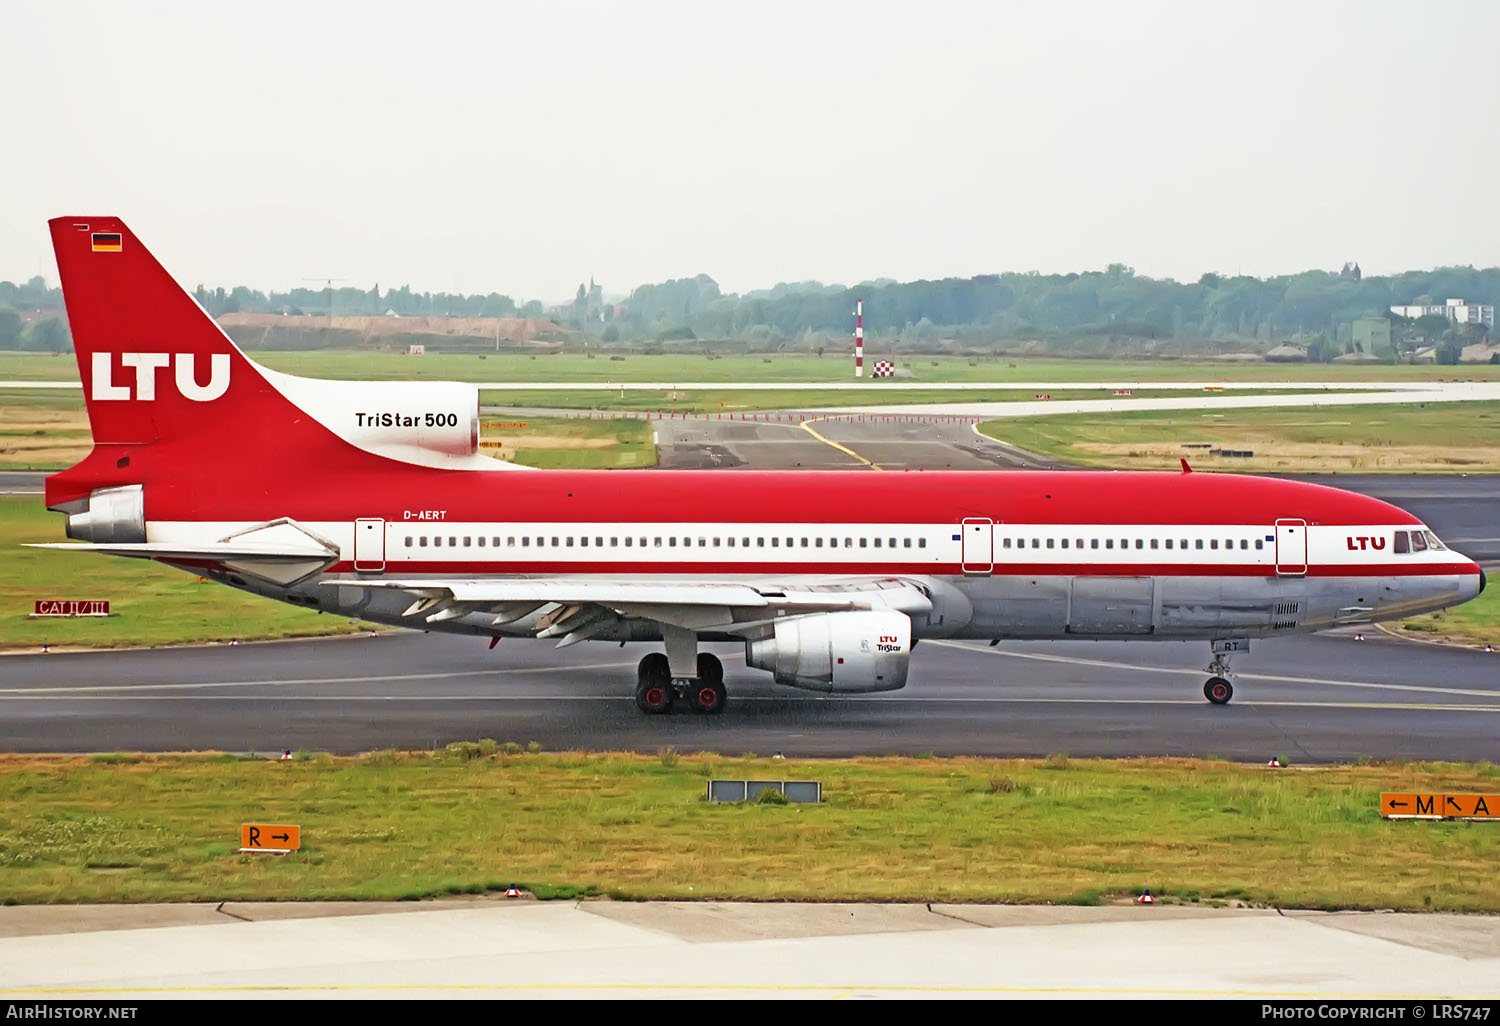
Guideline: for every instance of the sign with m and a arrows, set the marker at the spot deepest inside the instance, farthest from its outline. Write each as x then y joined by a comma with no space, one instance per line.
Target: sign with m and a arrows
1439,806
272,838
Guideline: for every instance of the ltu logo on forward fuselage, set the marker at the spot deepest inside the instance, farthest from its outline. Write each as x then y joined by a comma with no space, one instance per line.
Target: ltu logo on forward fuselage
147,364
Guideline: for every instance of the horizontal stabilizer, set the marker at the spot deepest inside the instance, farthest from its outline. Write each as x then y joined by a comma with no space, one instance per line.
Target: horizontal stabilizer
281,552
215,551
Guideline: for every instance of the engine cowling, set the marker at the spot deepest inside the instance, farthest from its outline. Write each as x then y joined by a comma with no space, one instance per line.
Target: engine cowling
108,515
849,652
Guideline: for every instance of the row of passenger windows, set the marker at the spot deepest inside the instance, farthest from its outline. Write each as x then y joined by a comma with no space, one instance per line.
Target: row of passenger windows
1140,543
774,542
671,542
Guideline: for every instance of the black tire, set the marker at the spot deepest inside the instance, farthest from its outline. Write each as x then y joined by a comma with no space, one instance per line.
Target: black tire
653,689
710,669
654,668
1218,691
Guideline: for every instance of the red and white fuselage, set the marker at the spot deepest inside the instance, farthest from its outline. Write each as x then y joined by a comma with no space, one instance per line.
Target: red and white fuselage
371,499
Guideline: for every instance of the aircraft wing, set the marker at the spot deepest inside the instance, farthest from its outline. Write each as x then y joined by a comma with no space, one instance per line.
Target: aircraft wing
576,609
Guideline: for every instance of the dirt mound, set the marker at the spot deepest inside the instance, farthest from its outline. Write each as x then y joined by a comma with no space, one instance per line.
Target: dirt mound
505,329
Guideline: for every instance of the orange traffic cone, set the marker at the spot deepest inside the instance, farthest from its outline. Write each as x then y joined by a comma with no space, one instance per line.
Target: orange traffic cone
1145,898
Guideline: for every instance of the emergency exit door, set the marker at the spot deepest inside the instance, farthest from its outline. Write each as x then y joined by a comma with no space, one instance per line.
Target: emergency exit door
978,545
369,545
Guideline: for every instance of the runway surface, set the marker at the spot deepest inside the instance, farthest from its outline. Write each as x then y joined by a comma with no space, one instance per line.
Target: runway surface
1311,699
21,482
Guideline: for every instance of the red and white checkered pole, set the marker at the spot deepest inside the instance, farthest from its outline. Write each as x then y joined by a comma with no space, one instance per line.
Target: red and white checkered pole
859,338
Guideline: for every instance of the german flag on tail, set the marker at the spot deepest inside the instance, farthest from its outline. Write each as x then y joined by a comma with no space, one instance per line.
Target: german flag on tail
106,242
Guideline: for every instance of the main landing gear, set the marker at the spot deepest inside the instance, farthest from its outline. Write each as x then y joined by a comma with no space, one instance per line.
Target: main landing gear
657,690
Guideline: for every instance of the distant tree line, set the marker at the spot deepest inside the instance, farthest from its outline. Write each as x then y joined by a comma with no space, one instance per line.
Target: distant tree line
353,302
1063,311
1111,304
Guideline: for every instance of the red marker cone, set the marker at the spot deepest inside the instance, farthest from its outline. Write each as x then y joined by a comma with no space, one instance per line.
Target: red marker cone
46,649
512,891
1274,762
1145,899
1487,647
1359,636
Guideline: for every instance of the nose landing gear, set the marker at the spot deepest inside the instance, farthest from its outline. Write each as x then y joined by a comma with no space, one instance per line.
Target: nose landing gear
1219,689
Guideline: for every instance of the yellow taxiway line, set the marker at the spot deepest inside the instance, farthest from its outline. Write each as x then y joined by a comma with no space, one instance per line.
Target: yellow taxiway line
806,426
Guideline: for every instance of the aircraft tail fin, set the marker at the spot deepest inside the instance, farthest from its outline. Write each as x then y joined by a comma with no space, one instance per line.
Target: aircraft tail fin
154,365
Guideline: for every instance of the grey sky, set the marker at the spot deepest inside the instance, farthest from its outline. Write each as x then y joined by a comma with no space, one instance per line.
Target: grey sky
521,147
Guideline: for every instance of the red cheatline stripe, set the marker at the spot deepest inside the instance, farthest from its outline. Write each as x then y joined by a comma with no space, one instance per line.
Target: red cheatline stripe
395,566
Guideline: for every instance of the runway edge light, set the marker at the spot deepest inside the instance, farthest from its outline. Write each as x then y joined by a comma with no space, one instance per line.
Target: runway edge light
1145,898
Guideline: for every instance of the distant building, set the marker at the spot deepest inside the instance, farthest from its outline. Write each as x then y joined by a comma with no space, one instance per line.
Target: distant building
1351,271
1456,310
1372,336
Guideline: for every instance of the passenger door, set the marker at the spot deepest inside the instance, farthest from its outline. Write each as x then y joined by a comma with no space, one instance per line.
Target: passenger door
369,545
1291,548
978,545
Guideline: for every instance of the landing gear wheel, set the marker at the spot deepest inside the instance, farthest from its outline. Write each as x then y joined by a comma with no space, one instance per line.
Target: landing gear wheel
1218,691
707,694
653,698
653,690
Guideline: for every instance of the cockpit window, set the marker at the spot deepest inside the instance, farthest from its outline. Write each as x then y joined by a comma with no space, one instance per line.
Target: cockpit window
1432,540
1418,541
1402,545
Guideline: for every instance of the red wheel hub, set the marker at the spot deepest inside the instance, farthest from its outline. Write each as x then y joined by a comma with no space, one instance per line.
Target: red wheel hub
656,697
708,697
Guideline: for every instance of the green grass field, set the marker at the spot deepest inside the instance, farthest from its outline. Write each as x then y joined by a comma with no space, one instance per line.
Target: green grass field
473,818
781,367
1396,438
